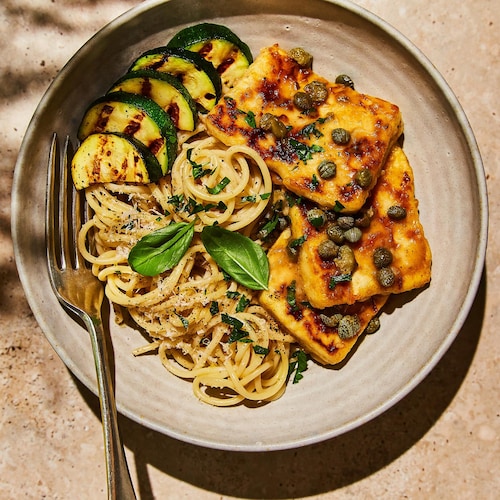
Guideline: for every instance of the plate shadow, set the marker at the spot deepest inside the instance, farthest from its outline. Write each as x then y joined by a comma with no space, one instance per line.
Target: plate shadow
313,469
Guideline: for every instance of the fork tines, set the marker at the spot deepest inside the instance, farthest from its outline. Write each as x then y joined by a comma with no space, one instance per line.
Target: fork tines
65,208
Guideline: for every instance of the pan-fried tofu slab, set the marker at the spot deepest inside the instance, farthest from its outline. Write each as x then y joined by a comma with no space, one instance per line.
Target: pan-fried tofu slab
324,281
285,299
269,87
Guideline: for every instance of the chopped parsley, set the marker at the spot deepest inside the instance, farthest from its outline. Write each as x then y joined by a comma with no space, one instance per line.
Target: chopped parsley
192,207
232,321
260,350
304,151
249,199
269,227
217,189
197,169
129,225
311,129
176,200
340,278
252,198
249,115
184,321
292,200
338,207
297,366
214,307
314,183
237,333
290,296
242,303
219,206
250,119
297,242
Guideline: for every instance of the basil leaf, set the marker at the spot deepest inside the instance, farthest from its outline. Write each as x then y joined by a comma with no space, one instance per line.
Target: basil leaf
237,255
162,249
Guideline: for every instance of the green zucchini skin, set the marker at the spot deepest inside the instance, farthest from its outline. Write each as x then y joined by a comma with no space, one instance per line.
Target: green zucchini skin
137,116
113,157
197,75
209,31
219,45
166,90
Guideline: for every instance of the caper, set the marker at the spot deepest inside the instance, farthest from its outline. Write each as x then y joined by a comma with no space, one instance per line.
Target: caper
363,178
271,123
317,91
386,277
328,250
303,101
335,233
279,129
331,321
353,235
340,136
345,80
265,121
345,261
301,56
349,326
396,212
363,220
345,222
382,257
316,217
327,169
373,325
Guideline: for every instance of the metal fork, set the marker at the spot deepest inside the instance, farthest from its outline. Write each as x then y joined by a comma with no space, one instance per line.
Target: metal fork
81,293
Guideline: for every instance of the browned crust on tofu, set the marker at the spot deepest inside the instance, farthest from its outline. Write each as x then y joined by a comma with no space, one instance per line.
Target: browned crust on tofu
303,323
404,238
269,86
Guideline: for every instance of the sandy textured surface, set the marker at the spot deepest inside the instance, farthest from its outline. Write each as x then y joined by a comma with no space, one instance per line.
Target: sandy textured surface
441,441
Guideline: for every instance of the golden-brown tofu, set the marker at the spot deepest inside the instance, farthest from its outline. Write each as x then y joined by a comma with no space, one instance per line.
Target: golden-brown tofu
404,238
269,86
285,300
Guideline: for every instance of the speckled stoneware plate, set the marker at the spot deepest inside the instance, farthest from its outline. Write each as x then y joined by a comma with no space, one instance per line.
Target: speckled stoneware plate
416,329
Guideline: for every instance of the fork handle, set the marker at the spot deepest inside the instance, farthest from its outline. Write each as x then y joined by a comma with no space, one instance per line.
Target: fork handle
118,476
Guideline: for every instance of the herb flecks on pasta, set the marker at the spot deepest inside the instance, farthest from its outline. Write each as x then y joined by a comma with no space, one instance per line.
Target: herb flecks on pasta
185,309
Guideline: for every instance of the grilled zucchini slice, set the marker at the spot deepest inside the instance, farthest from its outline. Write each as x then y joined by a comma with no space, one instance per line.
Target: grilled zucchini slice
166,91
218,44
196,74
113,157
136,116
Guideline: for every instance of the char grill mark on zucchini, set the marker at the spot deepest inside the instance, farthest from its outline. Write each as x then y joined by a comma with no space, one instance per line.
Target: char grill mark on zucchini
136,116
218,44
197,75
166,90
113,157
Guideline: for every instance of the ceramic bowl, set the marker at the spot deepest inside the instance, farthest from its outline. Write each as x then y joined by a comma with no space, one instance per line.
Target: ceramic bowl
417,328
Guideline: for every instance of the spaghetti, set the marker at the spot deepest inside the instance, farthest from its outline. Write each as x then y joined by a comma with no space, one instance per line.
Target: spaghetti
206,328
